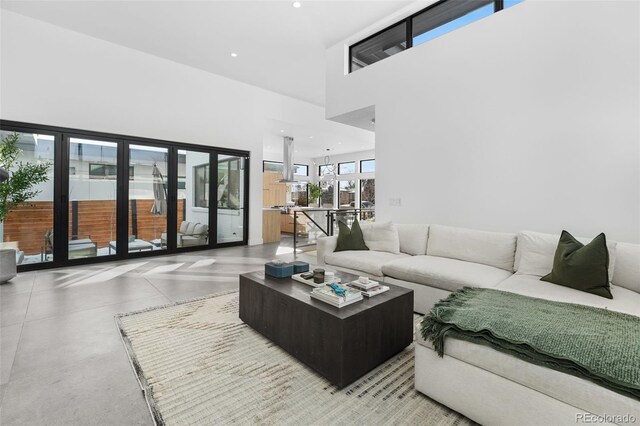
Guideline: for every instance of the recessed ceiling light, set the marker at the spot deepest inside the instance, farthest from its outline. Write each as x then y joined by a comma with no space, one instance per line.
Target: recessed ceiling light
296,4
281,131
234,55
310,137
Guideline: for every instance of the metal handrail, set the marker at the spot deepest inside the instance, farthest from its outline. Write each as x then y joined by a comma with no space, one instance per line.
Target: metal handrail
330,214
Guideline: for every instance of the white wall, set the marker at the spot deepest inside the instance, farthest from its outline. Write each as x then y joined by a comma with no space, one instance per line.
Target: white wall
527,119
53,76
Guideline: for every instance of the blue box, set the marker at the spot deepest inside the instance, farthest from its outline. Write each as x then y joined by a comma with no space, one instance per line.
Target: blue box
299,267
278,271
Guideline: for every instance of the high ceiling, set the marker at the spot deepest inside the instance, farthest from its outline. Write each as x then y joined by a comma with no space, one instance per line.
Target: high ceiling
278,47
312,140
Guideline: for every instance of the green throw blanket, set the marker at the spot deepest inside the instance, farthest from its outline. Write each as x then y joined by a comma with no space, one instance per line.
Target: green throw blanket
592,343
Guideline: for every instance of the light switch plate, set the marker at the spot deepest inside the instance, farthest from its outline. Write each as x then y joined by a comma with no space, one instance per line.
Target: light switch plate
395,202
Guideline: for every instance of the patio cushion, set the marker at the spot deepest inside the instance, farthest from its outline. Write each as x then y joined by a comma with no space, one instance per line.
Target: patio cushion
183,227
19,257
200,229
444,273
190,227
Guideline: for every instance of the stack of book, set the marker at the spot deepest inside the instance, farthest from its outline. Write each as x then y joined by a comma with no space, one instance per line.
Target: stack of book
327,295
369,289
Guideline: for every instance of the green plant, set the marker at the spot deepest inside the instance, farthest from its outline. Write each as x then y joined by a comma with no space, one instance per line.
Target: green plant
23,177
314,192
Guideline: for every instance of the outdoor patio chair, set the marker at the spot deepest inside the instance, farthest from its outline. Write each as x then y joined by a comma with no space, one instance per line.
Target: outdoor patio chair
84,247
190,234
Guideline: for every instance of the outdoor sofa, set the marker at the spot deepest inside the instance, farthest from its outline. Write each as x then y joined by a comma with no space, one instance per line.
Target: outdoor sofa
190,234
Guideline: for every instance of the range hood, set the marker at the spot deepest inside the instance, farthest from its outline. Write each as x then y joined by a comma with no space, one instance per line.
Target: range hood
287,161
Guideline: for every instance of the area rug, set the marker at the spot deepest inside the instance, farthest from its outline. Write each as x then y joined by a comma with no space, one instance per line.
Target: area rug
198,363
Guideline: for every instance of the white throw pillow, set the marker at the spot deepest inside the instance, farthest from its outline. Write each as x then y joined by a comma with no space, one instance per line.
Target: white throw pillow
413,239
488,248
381,236
627,272
535,251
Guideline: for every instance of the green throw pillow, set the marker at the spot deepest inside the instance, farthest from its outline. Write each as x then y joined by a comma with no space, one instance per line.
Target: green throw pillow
584,268
350,239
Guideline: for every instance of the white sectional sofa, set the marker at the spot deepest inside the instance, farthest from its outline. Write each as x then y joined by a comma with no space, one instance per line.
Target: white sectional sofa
485,385
432,260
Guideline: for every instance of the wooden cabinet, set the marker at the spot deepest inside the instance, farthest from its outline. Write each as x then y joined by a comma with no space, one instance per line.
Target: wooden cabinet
286,224
271,226
273,192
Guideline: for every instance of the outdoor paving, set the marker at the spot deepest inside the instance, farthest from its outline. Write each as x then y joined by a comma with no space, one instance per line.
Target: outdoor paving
62,361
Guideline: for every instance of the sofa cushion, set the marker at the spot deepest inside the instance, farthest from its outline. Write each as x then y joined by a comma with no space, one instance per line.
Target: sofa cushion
627,272
444,273
624,300
535,251
183,227
190,227
200,229
369,262
413,239
381,236
572,390
488,248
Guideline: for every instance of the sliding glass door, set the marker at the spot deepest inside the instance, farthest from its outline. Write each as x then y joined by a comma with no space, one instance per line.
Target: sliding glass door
193,199
92,210
106,196
230,198
28,227
148,195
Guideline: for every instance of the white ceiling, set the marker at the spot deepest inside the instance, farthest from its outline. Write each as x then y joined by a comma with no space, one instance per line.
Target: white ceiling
311,140
279,47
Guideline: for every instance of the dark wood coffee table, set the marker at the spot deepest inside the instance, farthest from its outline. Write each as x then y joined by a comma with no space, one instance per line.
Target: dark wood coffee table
339,344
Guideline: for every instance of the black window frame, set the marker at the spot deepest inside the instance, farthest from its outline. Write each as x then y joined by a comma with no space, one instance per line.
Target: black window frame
498,5
355,169
207,174
306,166
360,182
320,174
368,159
105,176
408,40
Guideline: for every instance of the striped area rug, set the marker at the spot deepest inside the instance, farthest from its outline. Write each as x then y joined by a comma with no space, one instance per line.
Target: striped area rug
198,363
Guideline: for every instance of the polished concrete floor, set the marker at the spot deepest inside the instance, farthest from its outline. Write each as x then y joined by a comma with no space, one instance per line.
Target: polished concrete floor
62,360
